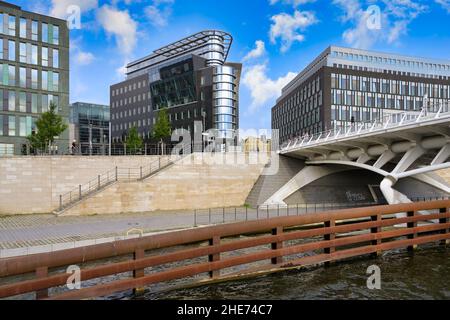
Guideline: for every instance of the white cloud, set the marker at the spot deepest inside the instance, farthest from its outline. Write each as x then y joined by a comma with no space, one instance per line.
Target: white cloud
259,51
287,27
395,19
262,88
120,25
159,12
445,4
59,7
84,58
294,3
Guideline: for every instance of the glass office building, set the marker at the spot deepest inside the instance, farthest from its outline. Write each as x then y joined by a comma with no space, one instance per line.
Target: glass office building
34,71
89,128
191,78
345,86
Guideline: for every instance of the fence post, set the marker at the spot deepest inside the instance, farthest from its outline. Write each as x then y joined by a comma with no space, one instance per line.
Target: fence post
329,237
79,191
116,174
138,273
141,172
277,245
235,214
375,230
215,241
41,272
257,212
223,213
60,202
195,218
447,230
98,182
411,225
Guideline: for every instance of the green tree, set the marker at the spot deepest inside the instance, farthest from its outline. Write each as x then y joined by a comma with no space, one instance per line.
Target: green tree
49,126
134,142
162,128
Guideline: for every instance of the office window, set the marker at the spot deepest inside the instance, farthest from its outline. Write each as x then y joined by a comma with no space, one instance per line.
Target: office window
44,32
44,80
5,75
44,103
55,35
12,126
34,30
1,47
23,77
23,52
12,25
11,50
1,125
23,102
23,27
12,75
55,81
45,57
1,22
34,79
11,101
34,54
34,107
55,58
22,126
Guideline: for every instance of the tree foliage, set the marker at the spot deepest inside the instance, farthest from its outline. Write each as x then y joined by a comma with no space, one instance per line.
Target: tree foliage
49,126
162,128
134,141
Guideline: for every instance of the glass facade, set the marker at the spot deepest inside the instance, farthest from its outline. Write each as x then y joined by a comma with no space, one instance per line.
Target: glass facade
92,125
176,87
225,100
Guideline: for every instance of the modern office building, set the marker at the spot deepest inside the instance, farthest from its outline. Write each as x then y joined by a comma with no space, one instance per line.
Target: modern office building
34,62
89,128
191,78
344,86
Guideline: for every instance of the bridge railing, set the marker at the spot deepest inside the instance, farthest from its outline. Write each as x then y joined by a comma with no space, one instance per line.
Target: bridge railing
225,251
389,121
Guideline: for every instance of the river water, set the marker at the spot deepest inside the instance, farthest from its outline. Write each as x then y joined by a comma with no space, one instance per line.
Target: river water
424,274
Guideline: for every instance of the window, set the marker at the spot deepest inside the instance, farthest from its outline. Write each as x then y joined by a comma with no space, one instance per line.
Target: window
44,80
11,101
34,103
23,27
12,25
22,126
55,58
55,35
23,52
12,75
23,77
12,126
55,81
12,50
34,54
1,126
45,57
23,102
44,32
34,30
34,79
1,47
44,103
1,22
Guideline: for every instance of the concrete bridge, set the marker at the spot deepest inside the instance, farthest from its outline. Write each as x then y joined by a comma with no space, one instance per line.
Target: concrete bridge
401,145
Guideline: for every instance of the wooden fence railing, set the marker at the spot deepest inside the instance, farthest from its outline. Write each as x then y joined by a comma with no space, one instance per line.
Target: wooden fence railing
275,244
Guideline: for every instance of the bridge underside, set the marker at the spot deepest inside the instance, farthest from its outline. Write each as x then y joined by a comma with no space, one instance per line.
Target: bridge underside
401,163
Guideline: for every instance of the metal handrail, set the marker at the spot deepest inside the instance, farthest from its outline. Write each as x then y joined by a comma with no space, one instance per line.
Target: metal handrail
390,121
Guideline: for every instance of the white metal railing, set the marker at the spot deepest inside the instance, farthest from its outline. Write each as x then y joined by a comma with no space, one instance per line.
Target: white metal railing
389,121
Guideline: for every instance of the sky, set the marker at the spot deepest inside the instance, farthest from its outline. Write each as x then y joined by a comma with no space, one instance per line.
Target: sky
274,39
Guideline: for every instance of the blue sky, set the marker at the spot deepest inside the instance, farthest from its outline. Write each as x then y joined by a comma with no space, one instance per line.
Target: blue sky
274,39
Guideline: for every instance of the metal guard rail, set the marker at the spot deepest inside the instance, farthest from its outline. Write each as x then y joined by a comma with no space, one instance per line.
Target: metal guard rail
109,177
329,238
